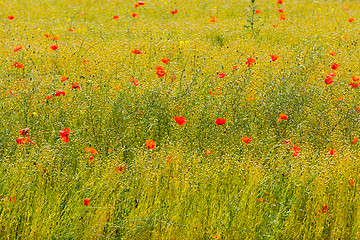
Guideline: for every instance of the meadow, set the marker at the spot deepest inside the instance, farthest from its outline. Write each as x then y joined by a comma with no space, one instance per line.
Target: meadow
179,119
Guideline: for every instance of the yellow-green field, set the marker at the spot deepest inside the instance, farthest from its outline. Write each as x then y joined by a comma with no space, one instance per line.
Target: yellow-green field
89,143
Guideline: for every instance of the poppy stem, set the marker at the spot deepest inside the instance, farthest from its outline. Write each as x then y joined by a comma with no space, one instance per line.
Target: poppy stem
92,122
336,124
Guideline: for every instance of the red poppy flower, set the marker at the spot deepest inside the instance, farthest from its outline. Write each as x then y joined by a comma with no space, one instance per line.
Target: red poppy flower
86,202
165,60
213,19
258,11
47,35
160,71
24,132
274,26
351,20
354,140
234,68
150,144
17,48
259,200
250,61
180,120
76,85
59,93
135,82
11,92
274,57
55,38
22,140
11,17
332,53
335,66
339,99
64,134
332,152
48,97
85,61
355,79
141,3
115,17
91,151
208,152
54,47
328,80
351,182
282,17
246,139
283,116
120,169
354,84
295,148
174,12
296,154
324,209
220,121
63,79
281,10
71,30
280,2
296,151
221,75
357,109
82,13
134,14
331,74
18,65
135,51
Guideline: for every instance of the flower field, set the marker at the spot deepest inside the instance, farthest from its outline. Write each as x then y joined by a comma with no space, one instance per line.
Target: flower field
179,119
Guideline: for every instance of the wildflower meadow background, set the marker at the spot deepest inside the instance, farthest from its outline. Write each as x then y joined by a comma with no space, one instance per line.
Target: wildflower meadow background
179,119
